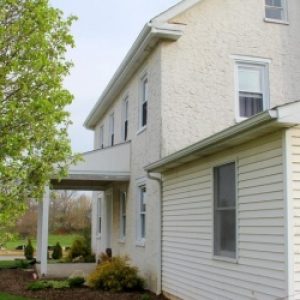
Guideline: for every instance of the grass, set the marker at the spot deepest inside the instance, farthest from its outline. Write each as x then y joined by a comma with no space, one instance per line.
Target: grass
13,264
65,240
4,296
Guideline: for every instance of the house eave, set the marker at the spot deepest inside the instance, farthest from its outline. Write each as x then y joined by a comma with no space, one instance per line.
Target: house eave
142,47
263,123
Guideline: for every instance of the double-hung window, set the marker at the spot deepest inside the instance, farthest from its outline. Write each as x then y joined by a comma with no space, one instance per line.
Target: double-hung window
125,119
276,10
123,215
111,129
144,102
99,214
252,88
142,198
101,137
225,210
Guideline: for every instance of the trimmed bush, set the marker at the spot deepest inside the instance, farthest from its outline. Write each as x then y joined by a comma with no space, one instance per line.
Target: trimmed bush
79,248
29,250
57,251
76,281
47,284
116,275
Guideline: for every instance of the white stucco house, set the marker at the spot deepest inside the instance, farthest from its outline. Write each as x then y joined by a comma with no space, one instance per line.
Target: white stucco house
196,167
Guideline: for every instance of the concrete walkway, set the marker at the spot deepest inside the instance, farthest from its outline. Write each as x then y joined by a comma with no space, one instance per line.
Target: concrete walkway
66,270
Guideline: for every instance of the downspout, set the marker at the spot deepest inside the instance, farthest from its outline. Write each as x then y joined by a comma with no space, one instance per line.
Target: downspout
159,256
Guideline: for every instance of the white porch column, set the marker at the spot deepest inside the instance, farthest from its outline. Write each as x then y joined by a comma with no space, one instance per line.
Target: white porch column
42,232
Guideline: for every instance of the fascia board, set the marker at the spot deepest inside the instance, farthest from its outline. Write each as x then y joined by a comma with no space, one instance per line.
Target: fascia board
174,11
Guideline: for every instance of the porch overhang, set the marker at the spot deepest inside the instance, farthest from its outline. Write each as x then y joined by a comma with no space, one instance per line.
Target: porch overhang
97,170
280,117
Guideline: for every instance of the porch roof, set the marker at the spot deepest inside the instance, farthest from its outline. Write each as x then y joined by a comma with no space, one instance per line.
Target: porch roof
284,116
98,169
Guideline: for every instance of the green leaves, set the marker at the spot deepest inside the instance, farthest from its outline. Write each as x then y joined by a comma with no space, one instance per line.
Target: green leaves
34,38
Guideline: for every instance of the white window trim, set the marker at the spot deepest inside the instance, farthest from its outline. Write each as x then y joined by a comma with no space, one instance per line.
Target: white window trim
251,61
140,242
141,92
284,21
125,99
122,224
217,257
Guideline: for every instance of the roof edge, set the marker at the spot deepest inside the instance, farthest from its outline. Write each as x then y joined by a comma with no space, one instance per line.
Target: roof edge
139,49
248,124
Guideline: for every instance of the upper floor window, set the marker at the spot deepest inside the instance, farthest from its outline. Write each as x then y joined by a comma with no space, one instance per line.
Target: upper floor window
144,102
276,9
101,137
125,119
225,211
252,88
111,129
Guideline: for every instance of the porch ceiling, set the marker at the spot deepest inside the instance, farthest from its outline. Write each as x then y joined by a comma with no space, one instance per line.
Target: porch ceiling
97,170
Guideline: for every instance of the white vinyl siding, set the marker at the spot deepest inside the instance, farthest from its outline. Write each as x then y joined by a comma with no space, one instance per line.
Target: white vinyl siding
295,160
259,272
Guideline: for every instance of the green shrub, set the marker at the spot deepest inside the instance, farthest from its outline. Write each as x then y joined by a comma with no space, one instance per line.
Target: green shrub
145,297
47,284
39,285
57,251
29,250
116,275
79,248
76,281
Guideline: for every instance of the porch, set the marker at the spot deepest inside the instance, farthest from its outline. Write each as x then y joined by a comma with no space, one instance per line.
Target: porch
97,171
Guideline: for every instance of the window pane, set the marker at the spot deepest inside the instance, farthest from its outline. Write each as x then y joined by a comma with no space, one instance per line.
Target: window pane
143,226
275,13
250,79
145,90
277,3
144,114
250,104
143,199
225,233
225,185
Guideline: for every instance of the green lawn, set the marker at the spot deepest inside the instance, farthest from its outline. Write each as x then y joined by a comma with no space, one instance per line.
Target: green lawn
4,296
64,240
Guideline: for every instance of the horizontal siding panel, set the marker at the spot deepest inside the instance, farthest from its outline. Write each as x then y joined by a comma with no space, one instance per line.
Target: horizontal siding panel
274,222
241,284
262,247
261,197
261,205
273,170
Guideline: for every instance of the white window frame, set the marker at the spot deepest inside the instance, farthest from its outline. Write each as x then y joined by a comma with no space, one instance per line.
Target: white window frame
125,118
140,238
111,130
144,98
99,217
263,65
123,203
223,256
284,20
101,137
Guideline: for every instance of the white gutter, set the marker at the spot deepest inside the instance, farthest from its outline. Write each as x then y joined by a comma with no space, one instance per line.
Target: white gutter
141,48
214,139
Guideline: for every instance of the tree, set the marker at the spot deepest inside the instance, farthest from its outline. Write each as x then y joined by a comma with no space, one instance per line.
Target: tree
34,144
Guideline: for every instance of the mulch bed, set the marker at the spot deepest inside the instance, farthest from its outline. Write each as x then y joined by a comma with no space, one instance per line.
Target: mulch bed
15,282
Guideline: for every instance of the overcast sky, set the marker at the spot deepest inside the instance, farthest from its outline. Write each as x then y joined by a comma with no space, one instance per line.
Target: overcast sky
103,34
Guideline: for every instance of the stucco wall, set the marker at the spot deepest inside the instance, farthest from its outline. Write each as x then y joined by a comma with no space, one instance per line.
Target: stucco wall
198,72
145,148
